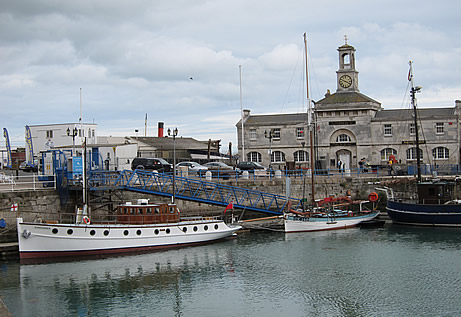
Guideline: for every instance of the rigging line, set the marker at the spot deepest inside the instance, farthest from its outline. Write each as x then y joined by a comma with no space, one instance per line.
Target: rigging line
291,80
312,69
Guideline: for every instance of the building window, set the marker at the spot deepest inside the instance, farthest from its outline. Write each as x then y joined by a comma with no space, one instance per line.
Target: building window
385,153
439,128
411,154
49,134
254,157
301,156
412,129
300,133
252,134
277,157
343,138
440,153
276,134
388,130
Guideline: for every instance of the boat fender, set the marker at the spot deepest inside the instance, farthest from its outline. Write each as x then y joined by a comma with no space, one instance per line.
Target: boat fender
26,234
86,220
373,197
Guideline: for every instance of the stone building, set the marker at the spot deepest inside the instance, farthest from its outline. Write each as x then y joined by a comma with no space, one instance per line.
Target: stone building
350,126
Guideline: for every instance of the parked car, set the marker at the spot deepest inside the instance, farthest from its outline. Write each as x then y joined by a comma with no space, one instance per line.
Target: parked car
221,169
250,166
27,167
193,167
151,164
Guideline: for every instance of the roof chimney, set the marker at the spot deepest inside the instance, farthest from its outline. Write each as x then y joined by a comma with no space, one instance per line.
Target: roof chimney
160,129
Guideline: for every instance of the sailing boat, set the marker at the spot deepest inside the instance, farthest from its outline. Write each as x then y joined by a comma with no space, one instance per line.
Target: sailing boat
329,213
135,227
435,204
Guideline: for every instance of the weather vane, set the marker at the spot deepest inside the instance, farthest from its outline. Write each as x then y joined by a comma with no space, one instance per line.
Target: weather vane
345,39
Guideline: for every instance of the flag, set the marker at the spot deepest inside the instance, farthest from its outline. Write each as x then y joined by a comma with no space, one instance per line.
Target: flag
30,149
230,206
9,163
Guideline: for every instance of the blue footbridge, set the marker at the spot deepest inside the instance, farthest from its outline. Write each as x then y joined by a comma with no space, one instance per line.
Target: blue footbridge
191,189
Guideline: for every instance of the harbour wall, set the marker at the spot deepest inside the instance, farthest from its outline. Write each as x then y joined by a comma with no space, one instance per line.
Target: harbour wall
45,204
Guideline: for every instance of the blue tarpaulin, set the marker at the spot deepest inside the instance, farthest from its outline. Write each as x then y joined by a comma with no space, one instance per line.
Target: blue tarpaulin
2,223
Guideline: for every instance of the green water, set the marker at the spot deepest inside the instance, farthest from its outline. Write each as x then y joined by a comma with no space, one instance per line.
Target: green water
393,271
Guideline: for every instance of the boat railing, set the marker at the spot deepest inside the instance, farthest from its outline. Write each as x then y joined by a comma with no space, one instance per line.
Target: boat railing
110,218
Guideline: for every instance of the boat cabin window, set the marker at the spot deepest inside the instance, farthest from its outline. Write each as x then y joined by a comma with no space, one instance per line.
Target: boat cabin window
157,210
171,210
140,211
125,210
132,211
149,210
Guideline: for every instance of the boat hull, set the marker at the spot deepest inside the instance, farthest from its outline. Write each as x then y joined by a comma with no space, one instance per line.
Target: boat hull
307,224
424,215
38,240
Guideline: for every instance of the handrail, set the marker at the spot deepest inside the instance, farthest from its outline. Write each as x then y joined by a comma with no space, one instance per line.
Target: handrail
12,183
197,190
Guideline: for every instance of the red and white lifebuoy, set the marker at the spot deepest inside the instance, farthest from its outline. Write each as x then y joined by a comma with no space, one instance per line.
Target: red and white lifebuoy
373,196
86,220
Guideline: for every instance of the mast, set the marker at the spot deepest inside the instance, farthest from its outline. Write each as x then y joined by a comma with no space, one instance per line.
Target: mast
84,184
413,92
309,123
241,114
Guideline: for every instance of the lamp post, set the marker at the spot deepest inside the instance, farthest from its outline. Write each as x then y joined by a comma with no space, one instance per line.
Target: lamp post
73,134
173,133
269,136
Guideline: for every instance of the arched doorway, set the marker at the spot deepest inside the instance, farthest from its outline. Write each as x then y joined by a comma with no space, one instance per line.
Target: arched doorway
344,156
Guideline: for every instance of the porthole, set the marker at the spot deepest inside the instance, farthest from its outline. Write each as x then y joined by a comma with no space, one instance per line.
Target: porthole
205,228
167,231
55,231
156,231
138,232
216,227
195,228
70,231
92,233
184,229
126,232
106,232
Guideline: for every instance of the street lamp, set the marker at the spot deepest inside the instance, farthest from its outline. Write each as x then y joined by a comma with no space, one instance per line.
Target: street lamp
269,136
173,133
73,134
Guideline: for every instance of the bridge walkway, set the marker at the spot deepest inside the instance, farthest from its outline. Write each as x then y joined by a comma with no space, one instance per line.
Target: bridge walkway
191,189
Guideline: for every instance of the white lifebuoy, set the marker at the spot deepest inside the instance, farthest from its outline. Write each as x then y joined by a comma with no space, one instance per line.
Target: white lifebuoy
86,220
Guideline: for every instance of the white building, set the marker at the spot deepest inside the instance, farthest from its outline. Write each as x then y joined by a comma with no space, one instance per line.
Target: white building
49,136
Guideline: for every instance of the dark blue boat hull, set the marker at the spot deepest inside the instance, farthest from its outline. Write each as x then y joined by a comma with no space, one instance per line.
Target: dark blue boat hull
429,215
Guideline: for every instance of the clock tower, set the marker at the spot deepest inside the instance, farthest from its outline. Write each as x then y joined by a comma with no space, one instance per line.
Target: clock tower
347,76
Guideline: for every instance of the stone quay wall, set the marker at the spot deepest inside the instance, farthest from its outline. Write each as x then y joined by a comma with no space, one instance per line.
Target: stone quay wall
45,204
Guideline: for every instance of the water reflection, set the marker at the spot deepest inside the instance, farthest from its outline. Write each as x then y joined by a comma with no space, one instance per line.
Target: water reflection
108,282
393,271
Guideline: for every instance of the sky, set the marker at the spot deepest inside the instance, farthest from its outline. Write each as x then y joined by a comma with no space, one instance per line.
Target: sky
185,63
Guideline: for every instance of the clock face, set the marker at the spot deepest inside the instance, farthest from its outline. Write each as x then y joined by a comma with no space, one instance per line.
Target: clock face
345,81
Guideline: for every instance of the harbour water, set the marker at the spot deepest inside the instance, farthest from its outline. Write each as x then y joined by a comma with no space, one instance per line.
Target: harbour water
391,271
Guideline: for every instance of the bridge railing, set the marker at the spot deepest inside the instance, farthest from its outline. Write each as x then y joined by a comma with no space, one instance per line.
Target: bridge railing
194,189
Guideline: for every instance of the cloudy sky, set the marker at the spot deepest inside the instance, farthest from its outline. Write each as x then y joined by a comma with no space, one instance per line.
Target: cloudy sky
178,60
